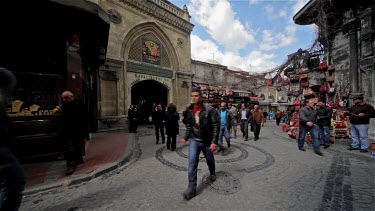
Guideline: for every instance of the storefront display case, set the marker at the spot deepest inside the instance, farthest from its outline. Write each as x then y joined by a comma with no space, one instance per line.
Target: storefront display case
35,112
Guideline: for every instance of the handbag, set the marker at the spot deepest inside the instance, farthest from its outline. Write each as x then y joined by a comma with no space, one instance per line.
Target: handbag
305,83
323,88
331,78
304,76
323,66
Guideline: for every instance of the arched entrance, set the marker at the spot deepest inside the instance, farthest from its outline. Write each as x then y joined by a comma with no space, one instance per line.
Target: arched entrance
146,94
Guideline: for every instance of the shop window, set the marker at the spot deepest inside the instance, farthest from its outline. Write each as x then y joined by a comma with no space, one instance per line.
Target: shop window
365,24
366,48
36,95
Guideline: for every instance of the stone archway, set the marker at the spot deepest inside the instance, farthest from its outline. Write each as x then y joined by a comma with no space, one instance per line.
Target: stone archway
148,93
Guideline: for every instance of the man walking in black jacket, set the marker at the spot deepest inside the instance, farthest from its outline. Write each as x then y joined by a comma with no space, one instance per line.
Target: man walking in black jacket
158,118
202,132
324,122
245,119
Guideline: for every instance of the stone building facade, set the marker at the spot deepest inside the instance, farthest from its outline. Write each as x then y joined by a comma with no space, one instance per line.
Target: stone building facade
147,59
347,32
237,86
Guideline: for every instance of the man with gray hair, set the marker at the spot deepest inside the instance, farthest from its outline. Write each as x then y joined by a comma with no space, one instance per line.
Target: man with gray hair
75,130
225,119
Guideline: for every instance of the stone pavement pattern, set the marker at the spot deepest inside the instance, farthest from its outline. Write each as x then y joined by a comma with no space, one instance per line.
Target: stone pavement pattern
270,174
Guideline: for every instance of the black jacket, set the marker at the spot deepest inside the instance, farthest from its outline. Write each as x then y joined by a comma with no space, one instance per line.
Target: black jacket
248,114
325,116
171,122
75,120
158,117
208,132
133,116
365,108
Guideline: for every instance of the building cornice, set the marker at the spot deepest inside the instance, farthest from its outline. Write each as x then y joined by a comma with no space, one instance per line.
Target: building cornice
169,15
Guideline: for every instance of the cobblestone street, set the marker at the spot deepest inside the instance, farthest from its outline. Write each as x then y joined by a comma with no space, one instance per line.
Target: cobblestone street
270,174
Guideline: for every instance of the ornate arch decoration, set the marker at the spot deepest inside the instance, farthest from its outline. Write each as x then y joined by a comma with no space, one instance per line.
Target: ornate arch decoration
134,45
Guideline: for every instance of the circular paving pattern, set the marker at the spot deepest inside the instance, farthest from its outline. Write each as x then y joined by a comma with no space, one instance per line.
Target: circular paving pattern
242,155
225,183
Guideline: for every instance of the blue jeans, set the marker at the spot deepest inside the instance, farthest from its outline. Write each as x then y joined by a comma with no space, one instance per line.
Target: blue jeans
314,131
325,135
224,131
195,147
360,136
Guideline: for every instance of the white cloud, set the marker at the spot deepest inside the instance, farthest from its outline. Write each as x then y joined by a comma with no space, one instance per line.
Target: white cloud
299,4
274,41
255,61
283,13
273,14
222,23
253,1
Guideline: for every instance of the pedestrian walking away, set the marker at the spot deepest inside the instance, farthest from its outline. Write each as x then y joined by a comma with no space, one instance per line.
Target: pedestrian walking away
74,130
307,123
359,116
265,115
324,122
278,116
257,121
226,118
234,111
245,119
171,126
202,132
158,118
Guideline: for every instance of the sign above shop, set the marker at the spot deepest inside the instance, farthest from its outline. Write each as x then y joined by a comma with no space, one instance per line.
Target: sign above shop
148,69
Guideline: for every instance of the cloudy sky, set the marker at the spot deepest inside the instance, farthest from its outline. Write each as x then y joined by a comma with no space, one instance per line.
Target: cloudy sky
254,35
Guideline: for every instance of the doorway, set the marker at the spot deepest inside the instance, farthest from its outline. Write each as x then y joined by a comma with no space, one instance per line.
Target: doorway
146,94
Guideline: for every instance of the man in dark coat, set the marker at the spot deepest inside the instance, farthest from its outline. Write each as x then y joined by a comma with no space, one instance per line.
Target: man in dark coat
359,115
245,115
133,115
324,122
171,125
158,118
75,130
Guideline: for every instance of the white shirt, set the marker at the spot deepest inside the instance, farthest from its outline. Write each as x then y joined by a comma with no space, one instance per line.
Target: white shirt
243,114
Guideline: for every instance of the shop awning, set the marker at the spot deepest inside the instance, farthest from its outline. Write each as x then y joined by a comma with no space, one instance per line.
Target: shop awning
256,98
86,5
240,93
264,102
